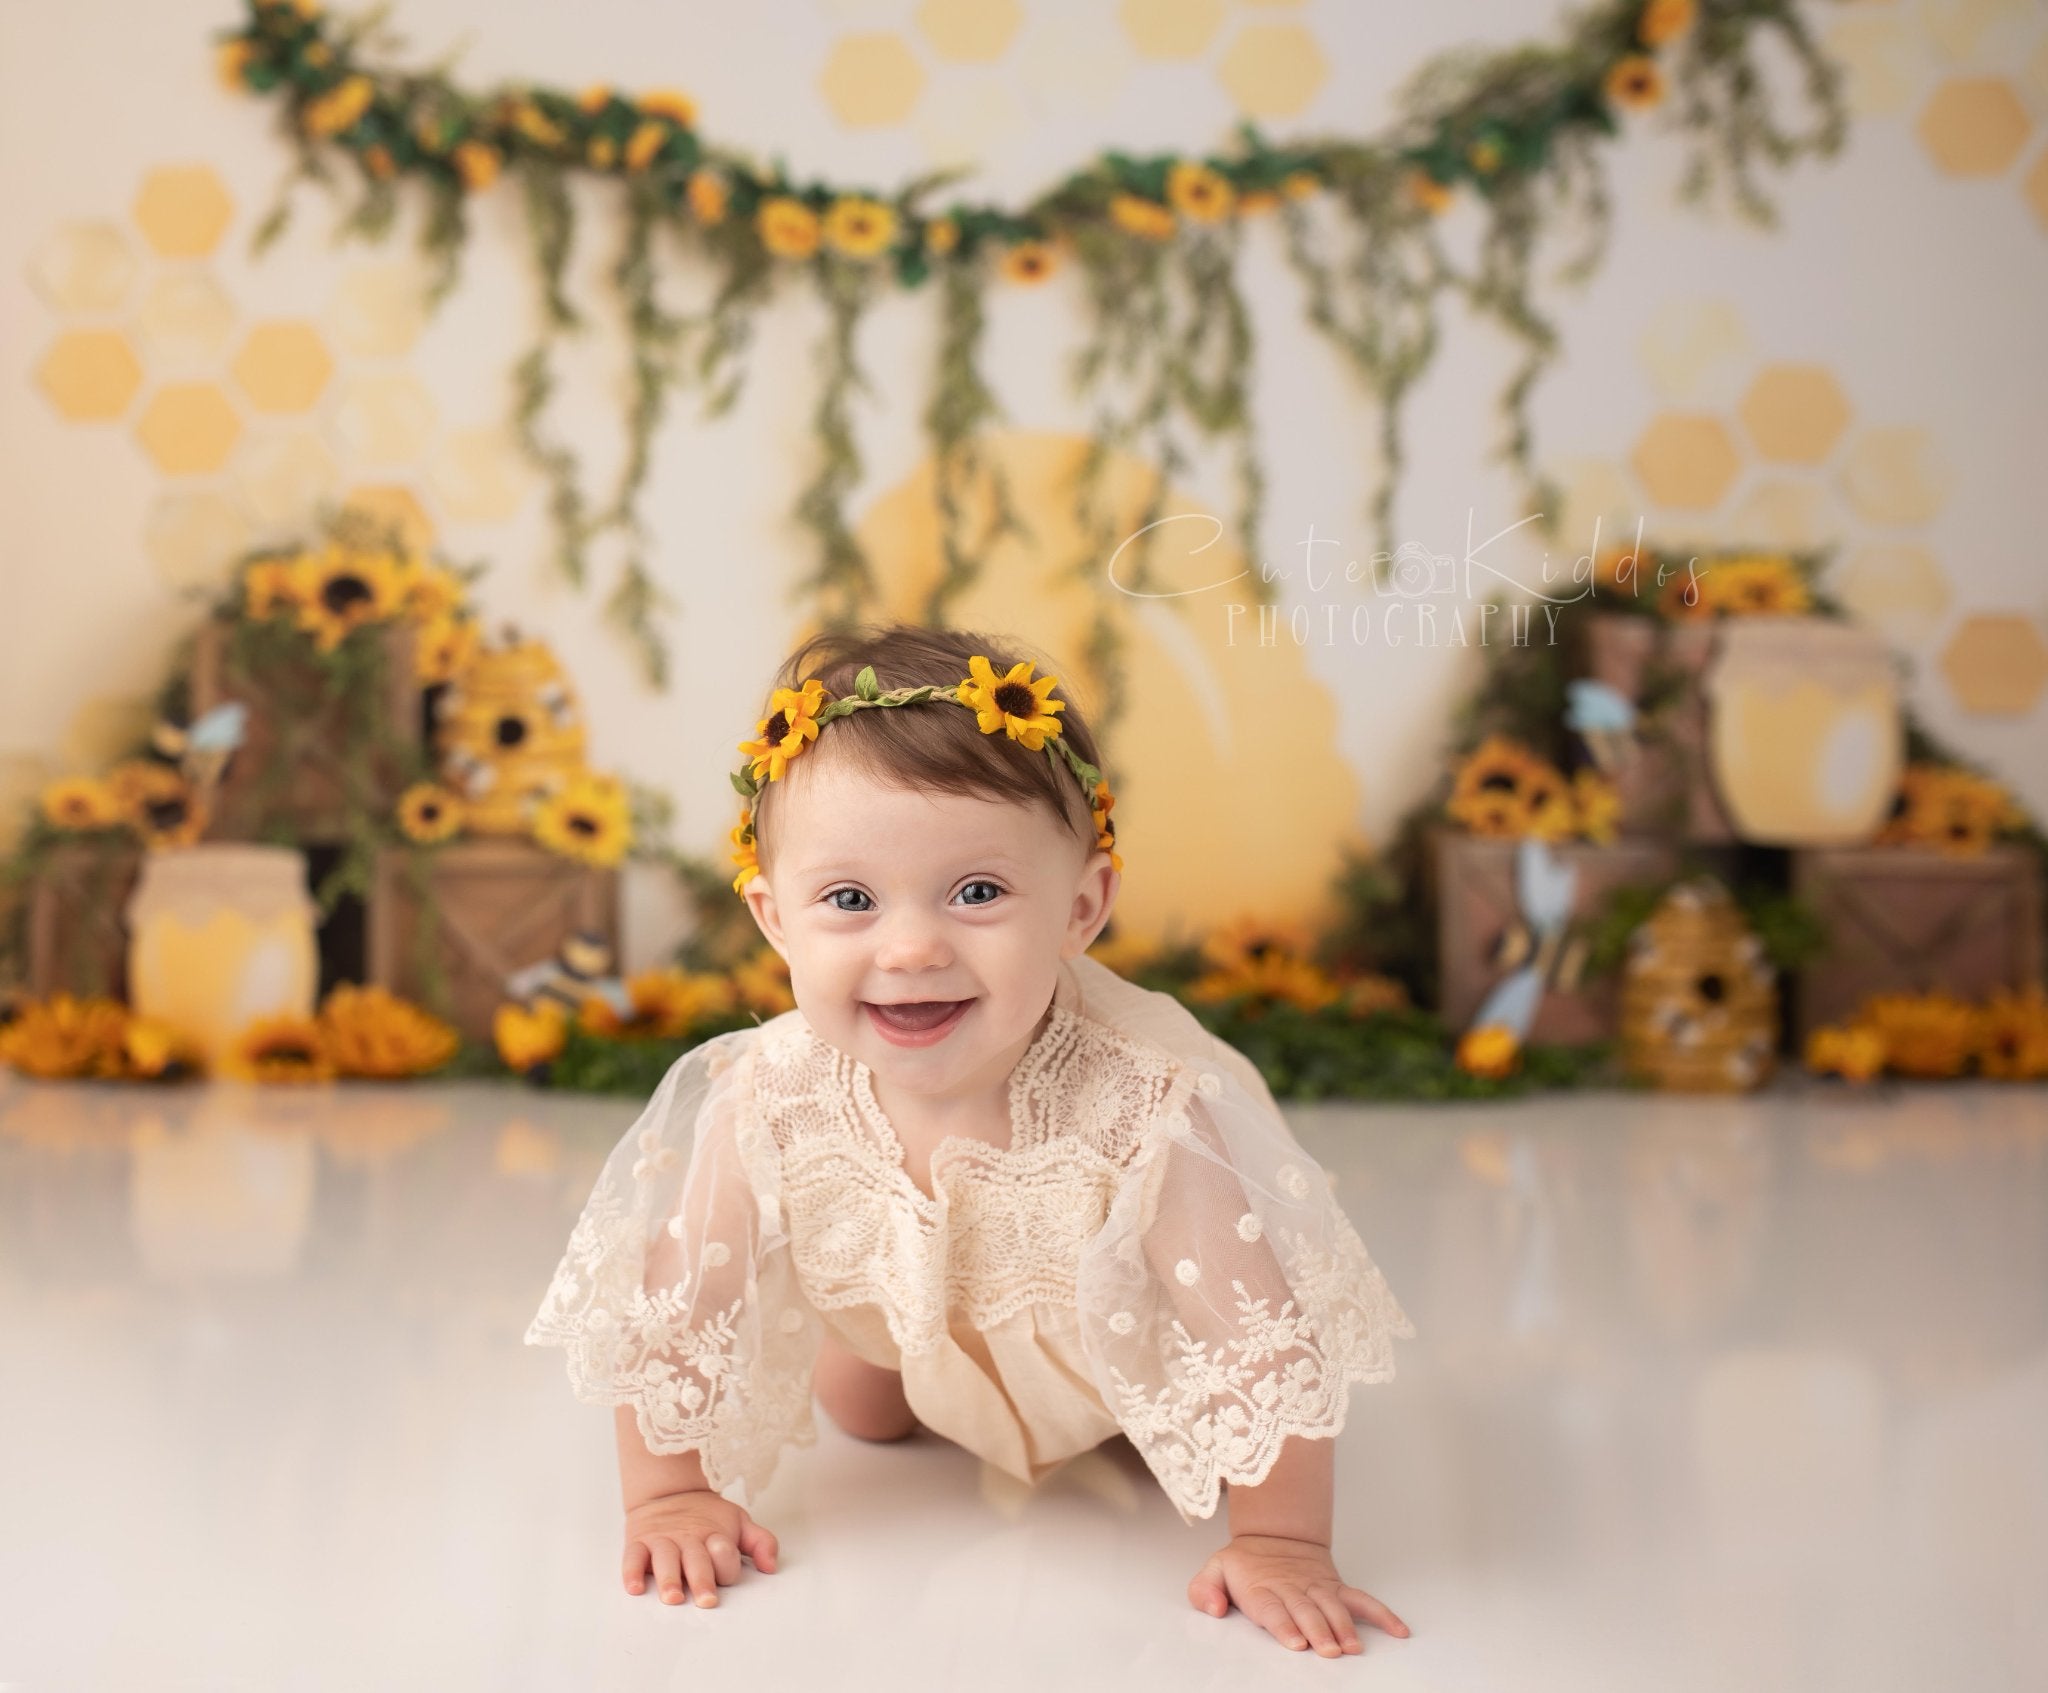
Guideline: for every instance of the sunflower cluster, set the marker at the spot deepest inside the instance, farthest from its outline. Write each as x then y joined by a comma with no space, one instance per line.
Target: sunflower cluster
365,1032
668,1005
1947,808
1488,1050
67,1038
1252,964
145,797
1014,704
332,590
1505,789
587,817
2004,1036
1685,589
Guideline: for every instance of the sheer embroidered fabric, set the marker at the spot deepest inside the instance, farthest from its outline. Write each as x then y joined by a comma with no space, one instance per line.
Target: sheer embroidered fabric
1152,1252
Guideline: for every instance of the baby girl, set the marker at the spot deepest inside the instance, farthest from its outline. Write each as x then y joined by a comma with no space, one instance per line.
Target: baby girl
975,1182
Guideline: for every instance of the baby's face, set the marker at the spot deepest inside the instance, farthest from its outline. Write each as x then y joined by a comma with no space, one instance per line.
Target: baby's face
879,896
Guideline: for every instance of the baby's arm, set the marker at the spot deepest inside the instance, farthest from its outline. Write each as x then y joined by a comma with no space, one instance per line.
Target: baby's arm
677,1524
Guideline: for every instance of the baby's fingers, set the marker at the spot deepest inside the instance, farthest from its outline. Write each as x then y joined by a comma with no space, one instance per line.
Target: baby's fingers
725,1557
1362,1604
668,1572
635,1570
759,1545
697,1568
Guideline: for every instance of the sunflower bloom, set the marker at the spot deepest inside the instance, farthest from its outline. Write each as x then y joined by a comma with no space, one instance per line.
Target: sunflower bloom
1490,1050
536,125
1197,191
1431,195
339,107
2012,1034
477,165
340,589
762,982
1029,262
1853,1051
707,197
232,62
1664,21
588,818
370,1031
744,854
1105,831
1761,587
1597,804
672,104
270,586
646,141
64,1037
529,1037
1013,704
789,228
595,98
1924,1034
1635,82
81,802
942,235
429,812
1490,793
603,152
285,1048
158,803
666,1003
859,227
789,728
1136,215
445,648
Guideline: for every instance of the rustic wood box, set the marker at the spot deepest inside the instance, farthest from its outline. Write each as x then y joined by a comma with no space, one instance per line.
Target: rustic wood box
1907,920
295,723
502,904
1666,785
1476,903
77,920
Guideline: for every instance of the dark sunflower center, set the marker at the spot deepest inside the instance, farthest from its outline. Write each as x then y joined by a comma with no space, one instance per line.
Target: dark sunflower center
582,823
1258,949
1016,700
292,1052
510,731
340,594
1498,781
166,813
430,812
778,727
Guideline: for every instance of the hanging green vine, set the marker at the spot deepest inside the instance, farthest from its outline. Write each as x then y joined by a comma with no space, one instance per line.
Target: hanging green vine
1169,349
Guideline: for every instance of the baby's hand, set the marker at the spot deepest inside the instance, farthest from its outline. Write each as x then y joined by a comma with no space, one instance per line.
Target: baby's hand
1291,1589
697,1535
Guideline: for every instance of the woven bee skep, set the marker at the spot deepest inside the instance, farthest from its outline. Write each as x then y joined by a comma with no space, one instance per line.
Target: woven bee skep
1699,1000
508,730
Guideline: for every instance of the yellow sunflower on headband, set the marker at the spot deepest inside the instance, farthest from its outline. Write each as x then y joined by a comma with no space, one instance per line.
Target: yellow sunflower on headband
790,726
1014,703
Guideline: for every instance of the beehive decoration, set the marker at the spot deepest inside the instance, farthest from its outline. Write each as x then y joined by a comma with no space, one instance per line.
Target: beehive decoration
507,730
1699,1000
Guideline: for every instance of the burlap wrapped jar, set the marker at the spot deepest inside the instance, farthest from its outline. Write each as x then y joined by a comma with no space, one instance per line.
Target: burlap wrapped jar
1699,1000
508,730
219,935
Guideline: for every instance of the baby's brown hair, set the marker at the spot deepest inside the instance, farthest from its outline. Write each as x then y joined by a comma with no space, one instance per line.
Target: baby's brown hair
936,747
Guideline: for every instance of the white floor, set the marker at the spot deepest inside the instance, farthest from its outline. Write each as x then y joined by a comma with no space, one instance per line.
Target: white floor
1706,1395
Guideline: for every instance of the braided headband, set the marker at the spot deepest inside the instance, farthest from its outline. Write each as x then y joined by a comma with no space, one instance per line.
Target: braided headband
1015,705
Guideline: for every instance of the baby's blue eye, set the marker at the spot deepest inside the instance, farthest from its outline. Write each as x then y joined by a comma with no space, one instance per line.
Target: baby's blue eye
983,885
833,896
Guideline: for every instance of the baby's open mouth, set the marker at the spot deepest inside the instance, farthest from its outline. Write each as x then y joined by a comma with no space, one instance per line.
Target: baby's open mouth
914,1015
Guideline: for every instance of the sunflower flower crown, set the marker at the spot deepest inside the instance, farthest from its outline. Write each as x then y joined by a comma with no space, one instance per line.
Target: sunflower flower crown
1015,704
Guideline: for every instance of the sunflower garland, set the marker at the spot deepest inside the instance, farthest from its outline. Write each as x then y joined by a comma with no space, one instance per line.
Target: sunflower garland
1517,131
1014,704
1505,790
1950,809
1936,1036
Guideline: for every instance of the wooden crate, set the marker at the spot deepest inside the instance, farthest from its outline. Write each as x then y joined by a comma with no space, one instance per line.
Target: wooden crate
77,920
1666,785
1907,920
289,720
1476,902
502,904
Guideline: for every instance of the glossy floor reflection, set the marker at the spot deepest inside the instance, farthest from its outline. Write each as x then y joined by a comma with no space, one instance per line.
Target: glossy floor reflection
1706,1394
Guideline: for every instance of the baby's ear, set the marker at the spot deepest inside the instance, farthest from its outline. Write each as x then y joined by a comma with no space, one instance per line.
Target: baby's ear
760,900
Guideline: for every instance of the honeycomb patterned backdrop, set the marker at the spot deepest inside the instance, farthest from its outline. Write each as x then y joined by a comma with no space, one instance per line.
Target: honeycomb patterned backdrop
1871,376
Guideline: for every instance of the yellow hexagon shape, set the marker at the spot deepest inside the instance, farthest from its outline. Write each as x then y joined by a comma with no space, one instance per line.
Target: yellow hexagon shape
1273,70
1686,460
1601,509
1171,29
183,210
1789,515
284,479
2037,188
972,31
398,508
1694,350
185,321
385,419
194,537
1899,589
84,267
1893,474
1996,663
91,375
188,428
283,366
380,309
481,475
871,79
1974,125
1795,413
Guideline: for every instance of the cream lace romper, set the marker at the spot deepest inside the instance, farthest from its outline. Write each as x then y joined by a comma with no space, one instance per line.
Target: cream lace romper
1152,1253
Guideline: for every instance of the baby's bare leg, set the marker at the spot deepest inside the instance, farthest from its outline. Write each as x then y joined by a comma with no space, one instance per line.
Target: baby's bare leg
864,1399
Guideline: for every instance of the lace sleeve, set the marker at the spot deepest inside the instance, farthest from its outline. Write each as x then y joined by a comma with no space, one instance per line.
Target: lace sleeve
1227,1302
677,1294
